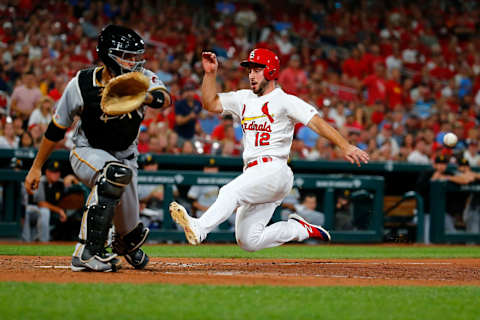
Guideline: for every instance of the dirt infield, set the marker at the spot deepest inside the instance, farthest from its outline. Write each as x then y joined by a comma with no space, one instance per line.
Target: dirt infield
426,272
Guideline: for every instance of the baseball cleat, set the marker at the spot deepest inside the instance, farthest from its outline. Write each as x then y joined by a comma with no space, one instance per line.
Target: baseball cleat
92,264
102,261
137,259
181,217
314,231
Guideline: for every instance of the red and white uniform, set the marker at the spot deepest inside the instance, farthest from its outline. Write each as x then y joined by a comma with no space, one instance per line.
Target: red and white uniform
268,123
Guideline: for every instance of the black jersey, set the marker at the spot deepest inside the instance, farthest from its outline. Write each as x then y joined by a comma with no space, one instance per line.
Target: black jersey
115,133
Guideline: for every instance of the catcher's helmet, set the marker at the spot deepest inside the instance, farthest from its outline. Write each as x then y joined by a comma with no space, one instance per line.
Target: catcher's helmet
264,58
121,49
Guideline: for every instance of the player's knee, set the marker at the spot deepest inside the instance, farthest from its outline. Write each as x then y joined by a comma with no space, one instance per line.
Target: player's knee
249,242
248,246
113,178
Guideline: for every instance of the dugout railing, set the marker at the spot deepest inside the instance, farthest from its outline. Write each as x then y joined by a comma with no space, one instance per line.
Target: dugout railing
440,193
328,184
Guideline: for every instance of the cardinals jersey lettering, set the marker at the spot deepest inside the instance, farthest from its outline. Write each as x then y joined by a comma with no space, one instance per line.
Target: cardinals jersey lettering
267,121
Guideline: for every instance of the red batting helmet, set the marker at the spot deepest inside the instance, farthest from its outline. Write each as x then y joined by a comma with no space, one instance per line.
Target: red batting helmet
264,58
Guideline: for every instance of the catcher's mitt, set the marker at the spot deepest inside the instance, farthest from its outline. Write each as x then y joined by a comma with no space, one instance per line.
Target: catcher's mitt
124,93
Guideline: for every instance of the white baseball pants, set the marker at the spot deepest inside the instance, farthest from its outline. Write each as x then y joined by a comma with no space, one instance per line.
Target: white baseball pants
255,193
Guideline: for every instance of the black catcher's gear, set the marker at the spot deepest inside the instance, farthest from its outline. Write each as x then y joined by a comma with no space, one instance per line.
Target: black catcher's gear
129,246
113,133
121,49
137,259
110,184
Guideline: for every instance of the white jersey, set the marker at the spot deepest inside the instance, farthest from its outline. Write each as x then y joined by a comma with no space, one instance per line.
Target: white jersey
267,121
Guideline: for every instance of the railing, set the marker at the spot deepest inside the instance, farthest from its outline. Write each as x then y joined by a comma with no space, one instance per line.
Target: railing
9,221
236,162
439,191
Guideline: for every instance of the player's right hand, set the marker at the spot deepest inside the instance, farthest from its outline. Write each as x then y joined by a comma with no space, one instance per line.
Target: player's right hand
63,215
32,180
209,62
356,155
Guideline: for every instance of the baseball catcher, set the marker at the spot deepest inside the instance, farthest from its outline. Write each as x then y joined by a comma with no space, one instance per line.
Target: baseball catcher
110,101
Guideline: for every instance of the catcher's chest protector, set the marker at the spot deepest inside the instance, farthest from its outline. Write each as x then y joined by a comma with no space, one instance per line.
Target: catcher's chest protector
115,133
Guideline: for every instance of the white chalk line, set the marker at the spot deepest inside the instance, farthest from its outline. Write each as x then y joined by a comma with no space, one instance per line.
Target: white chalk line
292,275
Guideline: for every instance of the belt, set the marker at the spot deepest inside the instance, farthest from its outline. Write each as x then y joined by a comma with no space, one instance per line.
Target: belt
258,161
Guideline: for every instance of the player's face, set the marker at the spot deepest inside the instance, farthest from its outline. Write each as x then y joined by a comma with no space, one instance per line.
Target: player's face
257,80
441,167
52,176
132,61
310,203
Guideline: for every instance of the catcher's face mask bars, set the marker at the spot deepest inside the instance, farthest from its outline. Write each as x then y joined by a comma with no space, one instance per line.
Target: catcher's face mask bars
128,60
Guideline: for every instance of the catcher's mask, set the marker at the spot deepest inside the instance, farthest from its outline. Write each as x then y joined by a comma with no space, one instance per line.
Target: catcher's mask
121,49
263,58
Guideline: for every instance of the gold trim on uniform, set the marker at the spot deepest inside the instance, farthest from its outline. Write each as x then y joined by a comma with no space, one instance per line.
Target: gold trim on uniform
84,161
58,125
97,83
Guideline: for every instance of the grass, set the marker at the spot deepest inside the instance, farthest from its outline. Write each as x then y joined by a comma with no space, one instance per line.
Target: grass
154,301
285,252
161,301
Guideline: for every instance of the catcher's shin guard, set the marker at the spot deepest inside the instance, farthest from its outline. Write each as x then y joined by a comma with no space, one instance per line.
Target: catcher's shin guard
98,217
129,246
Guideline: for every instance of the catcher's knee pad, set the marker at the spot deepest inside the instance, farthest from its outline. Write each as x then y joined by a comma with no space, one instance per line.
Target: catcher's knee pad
109,188
130,242
112,180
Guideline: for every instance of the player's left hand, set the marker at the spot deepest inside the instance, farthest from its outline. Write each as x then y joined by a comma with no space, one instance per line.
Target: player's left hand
355,155
148,98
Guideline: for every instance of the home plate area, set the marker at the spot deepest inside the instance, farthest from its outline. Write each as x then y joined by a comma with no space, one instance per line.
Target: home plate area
278,272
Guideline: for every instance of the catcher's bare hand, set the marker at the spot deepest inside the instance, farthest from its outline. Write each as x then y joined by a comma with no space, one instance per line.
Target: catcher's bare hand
209,62
355,155
32,180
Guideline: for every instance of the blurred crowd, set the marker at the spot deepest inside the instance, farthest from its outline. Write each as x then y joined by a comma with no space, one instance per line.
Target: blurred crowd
393,77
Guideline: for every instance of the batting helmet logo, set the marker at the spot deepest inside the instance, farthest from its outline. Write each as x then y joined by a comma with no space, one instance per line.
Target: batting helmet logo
264,58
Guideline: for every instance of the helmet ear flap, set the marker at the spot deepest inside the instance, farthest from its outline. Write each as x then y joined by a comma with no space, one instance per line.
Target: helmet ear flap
270,73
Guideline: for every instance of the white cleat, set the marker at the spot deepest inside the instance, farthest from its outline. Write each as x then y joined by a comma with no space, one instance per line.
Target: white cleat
181,217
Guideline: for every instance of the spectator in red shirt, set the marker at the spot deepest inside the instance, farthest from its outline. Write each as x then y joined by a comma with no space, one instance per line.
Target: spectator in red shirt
218,132
378,113
372,58
293,79
376,85
143,140
353,66
59,87
229,139
394,89
441,71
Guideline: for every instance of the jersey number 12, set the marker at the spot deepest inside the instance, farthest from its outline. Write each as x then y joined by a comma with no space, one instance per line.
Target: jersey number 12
262,139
